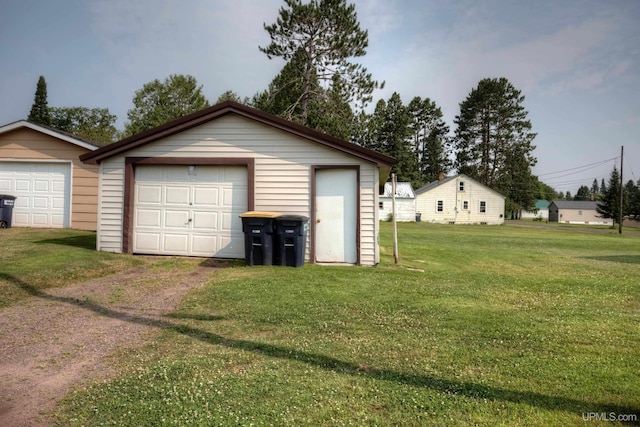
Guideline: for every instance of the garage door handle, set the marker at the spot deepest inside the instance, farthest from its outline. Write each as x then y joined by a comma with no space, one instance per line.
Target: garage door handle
318,221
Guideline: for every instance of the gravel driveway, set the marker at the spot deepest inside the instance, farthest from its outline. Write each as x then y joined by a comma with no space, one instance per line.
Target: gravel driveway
59,338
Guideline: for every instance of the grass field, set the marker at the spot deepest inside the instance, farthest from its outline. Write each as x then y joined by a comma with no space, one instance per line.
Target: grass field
478,325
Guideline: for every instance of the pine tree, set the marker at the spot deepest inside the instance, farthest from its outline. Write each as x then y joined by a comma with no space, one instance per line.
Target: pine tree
493,142
609,205
323,35
40,110
583,193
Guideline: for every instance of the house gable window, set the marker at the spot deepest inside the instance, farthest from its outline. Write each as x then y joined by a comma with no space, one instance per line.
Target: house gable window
483,206
465,205
461,186
440,206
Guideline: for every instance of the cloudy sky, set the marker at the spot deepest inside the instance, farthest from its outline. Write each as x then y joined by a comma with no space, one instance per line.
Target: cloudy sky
576,61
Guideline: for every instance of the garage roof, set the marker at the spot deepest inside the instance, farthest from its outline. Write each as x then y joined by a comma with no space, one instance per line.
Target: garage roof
80,142
231,107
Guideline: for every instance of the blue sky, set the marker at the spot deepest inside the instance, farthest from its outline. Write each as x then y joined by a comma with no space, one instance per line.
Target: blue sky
576,61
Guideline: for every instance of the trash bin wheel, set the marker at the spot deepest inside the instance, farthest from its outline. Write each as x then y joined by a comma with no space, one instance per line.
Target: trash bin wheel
3,224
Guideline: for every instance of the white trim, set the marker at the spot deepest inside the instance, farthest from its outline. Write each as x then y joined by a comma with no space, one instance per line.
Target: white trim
25,124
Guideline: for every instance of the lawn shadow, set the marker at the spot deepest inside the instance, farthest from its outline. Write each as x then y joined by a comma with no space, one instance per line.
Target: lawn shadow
83,242
329,363
626,259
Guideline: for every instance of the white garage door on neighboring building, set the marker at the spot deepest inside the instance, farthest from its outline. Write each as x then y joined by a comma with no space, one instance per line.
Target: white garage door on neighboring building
189,210
42,190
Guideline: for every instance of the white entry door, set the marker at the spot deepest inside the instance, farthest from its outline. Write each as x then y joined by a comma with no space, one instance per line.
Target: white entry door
189,210
336,216
42,191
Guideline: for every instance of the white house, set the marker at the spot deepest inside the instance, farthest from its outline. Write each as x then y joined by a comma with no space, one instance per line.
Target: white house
179,189
576,212
405,202
459,200
541,211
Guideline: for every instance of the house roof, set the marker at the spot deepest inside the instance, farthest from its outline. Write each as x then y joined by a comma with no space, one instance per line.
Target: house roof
231,107
438,183
65,136
575,204
404,190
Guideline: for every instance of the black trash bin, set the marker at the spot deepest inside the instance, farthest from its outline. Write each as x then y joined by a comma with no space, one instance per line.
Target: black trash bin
258,229
6,210
291,232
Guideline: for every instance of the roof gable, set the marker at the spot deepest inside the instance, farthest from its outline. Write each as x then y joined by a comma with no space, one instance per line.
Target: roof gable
435,184
64,136
231,107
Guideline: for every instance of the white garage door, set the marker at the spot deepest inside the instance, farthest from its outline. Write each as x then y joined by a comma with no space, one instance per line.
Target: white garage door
43,192
189,210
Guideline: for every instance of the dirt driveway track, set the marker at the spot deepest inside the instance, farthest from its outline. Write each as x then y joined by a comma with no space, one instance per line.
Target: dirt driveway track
59,338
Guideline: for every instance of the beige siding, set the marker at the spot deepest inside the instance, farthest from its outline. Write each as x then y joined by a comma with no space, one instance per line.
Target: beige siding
282,173
453,204
28,144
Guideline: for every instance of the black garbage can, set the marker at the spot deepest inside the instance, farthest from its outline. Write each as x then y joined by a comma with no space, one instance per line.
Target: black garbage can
418,216
291,232
6,210
258,229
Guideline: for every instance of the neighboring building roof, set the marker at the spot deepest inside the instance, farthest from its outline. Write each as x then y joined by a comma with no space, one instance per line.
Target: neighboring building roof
404,190
575,204
227,107
81,142
542,204
436,184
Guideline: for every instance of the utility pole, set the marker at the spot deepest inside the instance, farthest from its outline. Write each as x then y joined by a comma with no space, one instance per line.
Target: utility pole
621,190
393,213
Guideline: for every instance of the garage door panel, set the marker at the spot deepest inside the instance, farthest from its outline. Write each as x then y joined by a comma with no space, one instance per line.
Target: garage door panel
176,218
176,244
148,218
148,242
149,194
42,190
205,220
200,208
205,196
177,195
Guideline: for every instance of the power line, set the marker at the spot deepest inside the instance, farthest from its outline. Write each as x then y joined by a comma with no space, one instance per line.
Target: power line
578,169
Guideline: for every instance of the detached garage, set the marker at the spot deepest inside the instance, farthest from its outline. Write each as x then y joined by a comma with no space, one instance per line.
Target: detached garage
41,167
179,189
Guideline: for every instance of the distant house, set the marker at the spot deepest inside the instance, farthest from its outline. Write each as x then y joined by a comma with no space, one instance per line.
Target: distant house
576,212
459,200
541,211
405,202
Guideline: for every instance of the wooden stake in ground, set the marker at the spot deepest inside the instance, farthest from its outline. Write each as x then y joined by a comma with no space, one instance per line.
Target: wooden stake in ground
393,216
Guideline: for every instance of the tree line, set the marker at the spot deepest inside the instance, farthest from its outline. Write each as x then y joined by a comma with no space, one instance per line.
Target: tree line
323,87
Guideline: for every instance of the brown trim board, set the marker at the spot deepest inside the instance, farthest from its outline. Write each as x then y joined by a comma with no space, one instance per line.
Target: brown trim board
130,164
312,229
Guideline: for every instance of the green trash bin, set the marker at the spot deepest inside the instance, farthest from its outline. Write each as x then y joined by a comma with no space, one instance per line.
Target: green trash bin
291,232
258,229
6,210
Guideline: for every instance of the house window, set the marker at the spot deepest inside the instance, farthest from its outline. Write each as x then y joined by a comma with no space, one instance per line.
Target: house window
461,186
483,207
465,205
580,213
380,205
440,206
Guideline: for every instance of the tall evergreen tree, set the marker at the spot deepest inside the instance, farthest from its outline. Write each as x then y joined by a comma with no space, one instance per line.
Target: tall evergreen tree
609,205
431,144
493,141
634,201
325,34
39,113
595,189
583,193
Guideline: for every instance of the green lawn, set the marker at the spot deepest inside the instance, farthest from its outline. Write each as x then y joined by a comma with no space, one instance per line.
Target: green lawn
45,258
479,325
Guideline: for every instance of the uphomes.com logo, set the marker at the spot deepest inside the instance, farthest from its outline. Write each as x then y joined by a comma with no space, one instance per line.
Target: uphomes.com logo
609,416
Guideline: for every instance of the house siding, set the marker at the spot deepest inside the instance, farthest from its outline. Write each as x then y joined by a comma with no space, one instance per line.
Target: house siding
27,144
452,203
576,215
405,209
282,174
